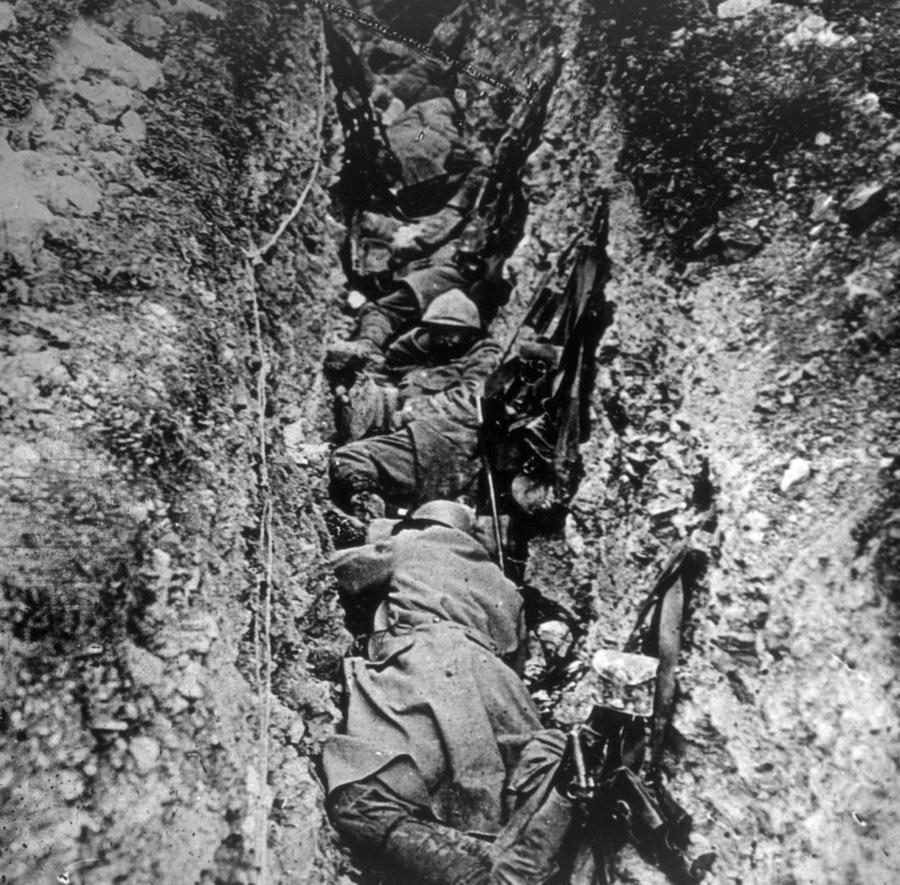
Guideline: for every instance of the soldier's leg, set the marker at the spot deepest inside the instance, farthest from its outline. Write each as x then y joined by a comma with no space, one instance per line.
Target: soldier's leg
381,465
526,851
533,857
366,408
366,812
374,817
381,320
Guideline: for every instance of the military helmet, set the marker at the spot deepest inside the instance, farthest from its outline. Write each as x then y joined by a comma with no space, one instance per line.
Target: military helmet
448,513
453,308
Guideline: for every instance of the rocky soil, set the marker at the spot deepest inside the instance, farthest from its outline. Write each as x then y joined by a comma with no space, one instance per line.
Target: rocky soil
171,641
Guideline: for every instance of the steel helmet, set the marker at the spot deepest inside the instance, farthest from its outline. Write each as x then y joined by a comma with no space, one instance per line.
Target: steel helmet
453,308
448,513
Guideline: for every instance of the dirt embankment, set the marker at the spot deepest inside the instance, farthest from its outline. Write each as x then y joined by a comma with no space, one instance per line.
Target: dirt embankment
166,558
161,557
749,402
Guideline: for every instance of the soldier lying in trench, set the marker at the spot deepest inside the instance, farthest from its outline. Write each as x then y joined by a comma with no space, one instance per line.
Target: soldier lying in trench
443,770
414,430
461,265
432,196
409,179
441,737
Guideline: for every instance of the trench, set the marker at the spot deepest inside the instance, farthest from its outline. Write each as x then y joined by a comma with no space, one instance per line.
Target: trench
172,641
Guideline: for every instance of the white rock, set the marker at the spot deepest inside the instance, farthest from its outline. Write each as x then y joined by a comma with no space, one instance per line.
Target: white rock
755,521
295,434
198,633
24,454
307,454
148,28
189,685
68,195
85,48
145,668
554,636
798,470
827,37
198,8
574,541
145,751
7,17
815,28
132,126
739,8
70,784
296,731
107,100
22,216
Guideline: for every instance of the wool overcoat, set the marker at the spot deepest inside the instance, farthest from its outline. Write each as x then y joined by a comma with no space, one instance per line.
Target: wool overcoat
435,691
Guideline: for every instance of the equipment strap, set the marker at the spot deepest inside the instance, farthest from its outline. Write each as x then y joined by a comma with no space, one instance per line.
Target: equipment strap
666,602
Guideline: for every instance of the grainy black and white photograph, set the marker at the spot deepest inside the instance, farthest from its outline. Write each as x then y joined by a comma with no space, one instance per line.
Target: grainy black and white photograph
449,442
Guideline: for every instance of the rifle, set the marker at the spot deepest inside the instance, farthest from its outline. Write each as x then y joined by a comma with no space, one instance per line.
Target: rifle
555,423
492,495
542,293
369,164
501,204
579,326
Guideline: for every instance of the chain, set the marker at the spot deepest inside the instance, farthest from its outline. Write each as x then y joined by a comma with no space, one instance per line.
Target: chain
428,51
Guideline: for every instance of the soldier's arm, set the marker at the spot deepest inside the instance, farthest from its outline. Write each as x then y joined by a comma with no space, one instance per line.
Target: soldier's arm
425,236
380,320
480,361
461,400
406,352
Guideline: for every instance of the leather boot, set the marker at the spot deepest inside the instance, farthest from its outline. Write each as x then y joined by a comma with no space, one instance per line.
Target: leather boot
531,859
374,329
432,854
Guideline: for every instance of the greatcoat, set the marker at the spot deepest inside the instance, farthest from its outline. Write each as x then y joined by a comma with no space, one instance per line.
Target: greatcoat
435,692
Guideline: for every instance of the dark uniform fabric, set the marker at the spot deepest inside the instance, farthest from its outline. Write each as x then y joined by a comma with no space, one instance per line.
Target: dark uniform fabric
385,464
438,209
427,283
380,320
417,288
433,452
426,141
434,711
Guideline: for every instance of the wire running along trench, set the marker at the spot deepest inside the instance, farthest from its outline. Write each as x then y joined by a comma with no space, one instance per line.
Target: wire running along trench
262,608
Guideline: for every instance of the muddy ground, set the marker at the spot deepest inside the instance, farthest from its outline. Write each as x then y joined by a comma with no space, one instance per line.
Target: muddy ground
171,639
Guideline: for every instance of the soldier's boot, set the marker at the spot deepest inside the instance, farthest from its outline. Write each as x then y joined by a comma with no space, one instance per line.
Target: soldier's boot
432,854
343,359
373,331
345,530
358,409
531,857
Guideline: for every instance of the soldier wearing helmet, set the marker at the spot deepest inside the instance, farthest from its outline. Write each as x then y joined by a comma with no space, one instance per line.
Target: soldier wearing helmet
449,325
441,737
463,265
416,438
